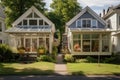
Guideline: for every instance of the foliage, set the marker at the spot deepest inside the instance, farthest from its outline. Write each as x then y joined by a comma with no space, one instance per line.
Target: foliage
91,59
15,8
69,58
6,53
47,58
41,50
21,50
62,11
54,52
115,59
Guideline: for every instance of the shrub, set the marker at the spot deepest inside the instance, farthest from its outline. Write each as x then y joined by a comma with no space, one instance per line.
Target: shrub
45,58
91,59
41,50
6,53
69,58
54,52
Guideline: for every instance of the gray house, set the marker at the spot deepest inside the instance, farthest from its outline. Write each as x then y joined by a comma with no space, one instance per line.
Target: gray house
88,34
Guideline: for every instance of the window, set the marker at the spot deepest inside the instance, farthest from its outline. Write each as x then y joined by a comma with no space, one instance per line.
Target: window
94,23
32,22
86,42
86,23
105,42
36,16
77,42
0,26
78,23
0,41
40,22
24,22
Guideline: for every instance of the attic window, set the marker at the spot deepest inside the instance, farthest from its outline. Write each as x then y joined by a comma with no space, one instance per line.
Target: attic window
78,23
86,23
24,22
30,15
94,23
40,22
32,22
46,23
36,16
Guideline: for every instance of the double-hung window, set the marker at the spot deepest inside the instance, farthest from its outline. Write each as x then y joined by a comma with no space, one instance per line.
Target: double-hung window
86,23
78,23
94,23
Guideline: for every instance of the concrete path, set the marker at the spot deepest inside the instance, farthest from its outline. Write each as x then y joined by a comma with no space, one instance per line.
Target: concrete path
60,66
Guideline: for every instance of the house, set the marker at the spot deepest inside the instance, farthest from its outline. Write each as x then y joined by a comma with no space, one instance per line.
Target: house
112,17
31,30
88,34
3,36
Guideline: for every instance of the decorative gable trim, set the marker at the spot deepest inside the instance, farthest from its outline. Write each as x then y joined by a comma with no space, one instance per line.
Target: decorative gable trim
30,10
82,12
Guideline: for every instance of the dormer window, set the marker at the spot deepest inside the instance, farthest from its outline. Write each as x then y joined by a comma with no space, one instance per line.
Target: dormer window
0,26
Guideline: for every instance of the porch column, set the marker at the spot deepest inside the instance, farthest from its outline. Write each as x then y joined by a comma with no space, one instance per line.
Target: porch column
50,43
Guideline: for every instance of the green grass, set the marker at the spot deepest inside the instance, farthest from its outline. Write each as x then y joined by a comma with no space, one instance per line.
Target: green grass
92,69
42,68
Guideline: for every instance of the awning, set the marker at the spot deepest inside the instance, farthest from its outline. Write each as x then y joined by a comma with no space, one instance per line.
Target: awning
29,29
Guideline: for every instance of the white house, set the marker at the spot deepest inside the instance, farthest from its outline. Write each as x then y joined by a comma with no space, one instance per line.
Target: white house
3,36
113,18
32,30
88,34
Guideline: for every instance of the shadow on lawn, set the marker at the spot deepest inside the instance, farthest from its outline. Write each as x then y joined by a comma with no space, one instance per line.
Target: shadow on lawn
26,71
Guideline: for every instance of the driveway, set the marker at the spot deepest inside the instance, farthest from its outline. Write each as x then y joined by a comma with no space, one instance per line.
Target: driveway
37,77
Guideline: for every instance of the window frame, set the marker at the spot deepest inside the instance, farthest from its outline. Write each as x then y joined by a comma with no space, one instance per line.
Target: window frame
86,23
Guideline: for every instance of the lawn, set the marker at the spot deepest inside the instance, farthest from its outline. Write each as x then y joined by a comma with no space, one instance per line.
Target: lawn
92,68
42,68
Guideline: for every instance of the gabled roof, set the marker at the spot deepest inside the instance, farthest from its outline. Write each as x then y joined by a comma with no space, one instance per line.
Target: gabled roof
86,9
30,10
111,10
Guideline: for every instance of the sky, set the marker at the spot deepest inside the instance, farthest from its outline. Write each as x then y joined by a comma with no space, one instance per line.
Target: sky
96,5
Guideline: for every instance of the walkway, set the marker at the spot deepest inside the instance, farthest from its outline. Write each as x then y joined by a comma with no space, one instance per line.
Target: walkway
60,66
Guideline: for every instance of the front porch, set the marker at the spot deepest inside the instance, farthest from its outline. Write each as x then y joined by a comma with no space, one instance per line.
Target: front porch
31,41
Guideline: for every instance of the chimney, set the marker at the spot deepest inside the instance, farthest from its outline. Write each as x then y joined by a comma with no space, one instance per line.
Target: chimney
103,12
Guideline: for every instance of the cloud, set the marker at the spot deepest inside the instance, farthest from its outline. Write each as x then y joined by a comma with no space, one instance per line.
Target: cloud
99,3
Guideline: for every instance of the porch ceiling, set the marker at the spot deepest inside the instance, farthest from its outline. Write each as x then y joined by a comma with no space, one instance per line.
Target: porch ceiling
29,29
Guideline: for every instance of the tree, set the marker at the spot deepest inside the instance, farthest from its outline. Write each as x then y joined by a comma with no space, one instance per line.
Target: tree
15,8
62,11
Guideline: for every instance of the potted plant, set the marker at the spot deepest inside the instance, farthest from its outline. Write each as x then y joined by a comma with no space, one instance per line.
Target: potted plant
41,50
21,50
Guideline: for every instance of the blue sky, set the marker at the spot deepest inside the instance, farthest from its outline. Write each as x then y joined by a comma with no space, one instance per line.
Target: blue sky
96,5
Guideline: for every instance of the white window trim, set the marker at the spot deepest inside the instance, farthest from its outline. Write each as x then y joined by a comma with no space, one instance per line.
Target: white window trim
77,23
96,23
86,19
